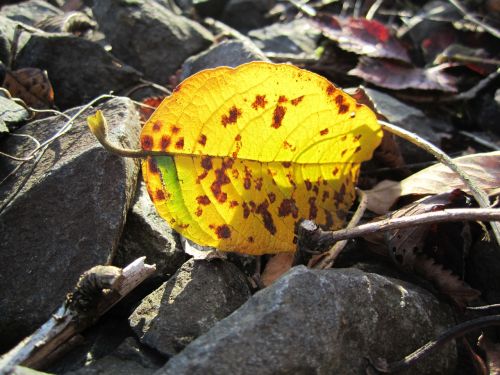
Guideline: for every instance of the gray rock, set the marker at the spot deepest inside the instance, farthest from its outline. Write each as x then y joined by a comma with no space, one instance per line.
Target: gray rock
246,15
411,119
129,357
30,12
10,113
199,295
149,37
78,69
147,234
296,37
321,322
7,30
228,53
66,218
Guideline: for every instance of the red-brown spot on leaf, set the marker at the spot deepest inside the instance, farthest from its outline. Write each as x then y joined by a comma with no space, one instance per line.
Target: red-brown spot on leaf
288,146
308,184
315,189
358,149
179,145
279,113
266,217
313,210
286,164
146,142
201,176
335,171
160,195
153,166
272,197
223,231
329,219
288,207
297,100
202,140
330,90
246,210
343,107
199,211
250,239
343,138
343,152
231,117
206,163
203,199
247,183
235,173
233,204
357,137
325,196
175,129
291,180
282,99
165,142
260,102
157,126
324,131
237,138
258,183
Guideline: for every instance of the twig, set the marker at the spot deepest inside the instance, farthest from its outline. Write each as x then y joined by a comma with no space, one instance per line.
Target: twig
315,238
373,9
304,8
468,15
480,196
81,309
459,330
473,91
326,259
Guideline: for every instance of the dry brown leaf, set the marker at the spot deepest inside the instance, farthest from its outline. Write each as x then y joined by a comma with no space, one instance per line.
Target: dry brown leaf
394,76
275,267
445,281
32,85
405,244
484,168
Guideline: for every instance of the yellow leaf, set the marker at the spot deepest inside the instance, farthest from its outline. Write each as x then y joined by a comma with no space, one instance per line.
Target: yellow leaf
256,149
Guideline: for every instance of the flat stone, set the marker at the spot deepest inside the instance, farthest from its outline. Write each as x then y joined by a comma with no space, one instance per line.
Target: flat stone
67,216
297,37
246,15
11,113
322,322
199,295
147,234
78,69
411,119
228,53
30,12
150,37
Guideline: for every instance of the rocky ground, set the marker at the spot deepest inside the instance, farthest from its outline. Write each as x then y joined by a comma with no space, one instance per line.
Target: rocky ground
75,205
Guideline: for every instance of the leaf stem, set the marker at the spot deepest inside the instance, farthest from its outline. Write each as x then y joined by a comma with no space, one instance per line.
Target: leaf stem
480,196
99,127
315,238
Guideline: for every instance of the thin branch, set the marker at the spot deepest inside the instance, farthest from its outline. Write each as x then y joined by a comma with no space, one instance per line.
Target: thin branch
326,259
457,331
373,9
70,318
468,15
476,191
319,239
